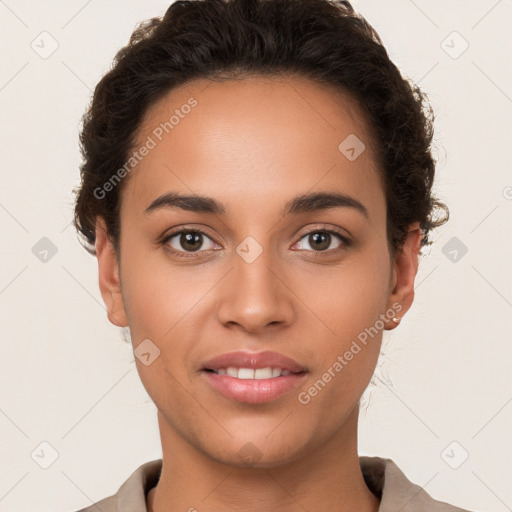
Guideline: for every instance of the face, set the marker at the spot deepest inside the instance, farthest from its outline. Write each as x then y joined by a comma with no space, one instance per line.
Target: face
289,254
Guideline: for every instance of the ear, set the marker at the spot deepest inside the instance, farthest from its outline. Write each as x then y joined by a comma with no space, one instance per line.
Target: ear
108,271
405,267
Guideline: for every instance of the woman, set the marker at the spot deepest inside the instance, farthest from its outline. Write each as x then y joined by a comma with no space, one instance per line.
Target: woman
257,187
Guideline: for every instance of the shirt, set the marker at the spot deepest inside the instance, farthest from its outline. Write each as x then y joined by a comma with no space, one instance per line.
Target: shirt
382,476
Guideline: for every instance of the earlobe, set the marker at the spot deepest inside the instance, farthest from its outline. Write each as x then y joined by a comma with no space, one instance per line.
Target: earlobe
404,274
108,274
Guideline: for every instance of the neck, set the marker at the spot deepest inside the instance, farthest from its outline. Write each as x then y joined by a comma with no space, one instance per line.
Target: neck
329,478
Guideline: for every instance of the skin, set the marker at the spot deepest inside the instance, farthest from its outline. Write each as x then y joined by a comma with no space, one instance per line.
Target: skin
253,145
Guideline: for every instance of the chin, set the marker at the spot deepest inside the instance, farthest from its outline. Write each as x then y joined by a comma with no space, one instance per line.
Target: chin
254,454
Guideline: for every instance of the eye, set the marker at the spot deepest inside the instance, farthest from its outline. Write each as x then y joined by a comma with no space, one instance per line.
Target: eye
319,240
186,242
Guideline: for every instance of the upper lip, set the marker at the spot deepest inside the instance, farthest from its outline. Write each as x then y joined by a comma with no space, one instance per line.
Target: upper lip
254,360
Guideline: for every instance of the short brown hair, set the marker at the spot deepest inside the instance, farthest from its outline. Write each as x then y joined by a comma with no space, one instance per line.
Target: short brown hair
324,40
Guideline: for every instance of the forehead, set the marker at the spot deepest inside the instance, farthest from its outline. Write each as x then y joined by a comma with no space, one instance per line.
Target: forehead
259,137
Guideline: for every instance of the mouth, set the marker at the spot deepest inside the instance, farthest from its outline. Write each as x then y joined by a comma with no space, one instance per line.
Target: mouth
252,390
252,373
249,365
253,378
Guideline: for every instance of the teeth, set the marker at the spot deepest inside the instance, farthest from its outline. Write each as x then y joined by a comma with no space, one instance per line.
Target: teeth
232,372
263,373
250,373
245,373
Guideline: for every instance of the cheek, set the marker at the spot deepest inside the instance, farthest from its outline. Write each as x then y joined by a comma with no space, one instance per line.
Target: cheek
346,359
343,300
157,294
159,300
163,301
349,304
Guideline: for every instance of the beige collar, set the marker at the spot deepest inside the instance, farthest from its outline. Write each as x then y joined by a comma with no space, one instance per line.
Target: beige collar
382,476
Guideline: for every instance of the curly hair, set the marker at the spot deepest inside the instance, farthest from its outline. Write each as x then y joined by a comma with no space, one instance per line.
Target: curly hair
323,40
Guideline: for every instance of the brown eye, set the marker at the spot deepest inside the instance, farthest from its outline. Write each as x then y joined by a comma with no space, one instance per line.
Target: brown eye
320,240
188,241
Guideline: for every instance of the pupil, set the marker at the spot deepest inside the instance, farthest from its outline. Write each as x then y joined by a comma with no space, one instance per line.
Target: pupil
190,239
323,238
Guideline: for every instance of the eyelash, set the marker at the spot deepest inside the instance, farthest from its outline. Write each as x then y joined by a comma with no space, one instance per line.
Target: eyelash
345,242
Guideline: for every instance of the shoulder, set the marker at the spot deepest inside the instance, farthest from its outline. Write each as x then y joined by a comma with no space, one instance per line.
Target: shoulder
132,493
382,476
385,479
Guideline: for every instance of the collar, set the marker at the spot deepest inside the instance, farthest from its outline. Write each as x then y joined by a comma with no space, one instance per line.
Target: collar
382,476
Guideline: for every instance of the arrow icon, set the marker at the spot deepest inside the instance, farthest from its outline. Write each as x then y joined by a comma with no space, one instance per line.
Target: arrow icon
146,352
454,45
454,253
351,147
44,455
44,44
249,245
454,249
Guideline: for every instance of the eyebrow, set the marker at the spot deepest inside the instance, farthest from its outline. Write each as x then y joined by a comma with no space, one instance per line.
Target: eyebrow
312,202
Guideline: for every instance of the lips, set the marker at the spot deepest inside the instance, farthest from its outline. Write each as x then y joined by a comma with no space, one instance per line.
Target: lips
254,360
253,378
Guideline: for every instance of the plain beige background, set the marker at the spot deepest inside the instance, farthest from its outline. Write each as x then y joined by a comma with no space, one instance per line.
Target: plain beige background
70,396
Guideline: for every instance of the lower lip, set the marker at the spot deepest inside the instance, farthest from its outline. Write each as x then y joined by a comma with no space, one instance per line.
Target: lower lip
253,391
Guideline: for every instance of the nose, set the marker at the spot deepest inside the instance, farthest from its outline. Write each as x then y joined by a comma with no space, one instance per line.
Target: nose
256,295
